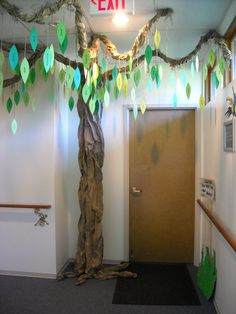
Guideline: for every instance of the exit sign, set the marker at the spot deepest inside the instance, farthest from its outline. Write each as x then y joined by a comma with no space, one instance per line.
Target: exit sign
102,7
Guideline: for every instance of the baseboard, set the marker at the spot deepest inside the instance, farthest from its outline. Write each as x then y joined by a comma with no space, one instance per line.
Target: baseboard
216,307
61,271
27,274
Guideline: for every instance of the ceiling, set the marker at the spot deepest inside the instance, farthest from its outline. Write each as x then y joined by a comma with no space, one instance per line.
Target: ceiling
191,19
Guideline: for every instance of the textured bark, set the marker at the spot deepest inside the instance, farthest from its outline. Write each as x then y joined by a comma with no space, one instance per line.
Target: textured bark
89,256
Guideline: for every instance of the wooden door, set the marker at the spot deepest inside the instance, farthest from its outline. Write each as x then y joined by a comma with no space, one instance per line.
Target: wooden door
162,191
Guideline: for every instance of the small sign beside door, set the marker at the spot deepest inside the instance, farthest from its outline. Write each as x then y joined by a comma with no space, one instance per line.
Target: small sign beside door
207,188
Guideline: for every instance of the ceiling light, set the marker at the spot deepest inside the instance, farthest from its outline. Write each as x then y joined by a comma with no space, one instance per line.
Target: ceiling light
120,19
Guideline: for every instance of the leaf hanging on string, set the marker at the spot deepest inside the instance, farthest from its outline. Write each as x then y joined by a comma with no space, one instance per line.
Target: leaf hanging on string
86,58
47,58
222,65
116,91
106,99
86,91
188,90
14,126
77,78
13,57
143,106
9,104
17,97
61,32
69,76
204,72
71,103
104,65
119,81
148,54
133,94
137,77
114,73
92,105
24,70
34,38
62,74
153,72
64,44
108,86
26,98
51,48
135,111
202,102
157,38
130,63
211,58
125,86
32,75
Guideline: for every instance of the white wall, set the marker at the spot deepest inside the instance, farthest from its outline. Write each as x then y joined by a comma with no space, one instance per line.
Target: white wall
221,166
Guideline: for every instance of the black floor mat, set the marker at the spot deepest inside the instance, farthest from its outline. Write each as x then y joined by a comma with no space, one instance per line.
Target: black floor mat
156,284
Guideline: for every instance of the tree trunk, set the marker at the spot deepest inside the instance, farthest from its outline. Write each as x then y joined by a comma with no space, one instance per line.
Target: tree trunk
89,254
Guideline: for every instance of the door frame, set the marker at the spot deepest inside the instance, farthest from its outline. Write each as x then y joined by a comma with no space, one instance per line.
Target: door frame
126,110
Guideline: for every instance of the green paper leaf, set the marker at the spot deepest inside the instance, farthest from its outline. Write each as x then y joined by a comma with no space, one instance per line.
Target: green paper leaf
153,72
64,45
22,88
26,98
24,70
108,86
100,94
135,111
14,126
2,58
71,103
61,32
9,105
204,72
148,54
17,97
116,91
125,86
119,81
47,59
211,58
188,90
97,105
69,76
40,66
77,78
51,48
130,64
137,77
202,102
13,57
52,69
104,65
222,65
133,94
215,80
1,82
86,91
157,38
34,38
127,76
62,75
143,107
106,99
32,75
114,73
92,105
95,72
86,58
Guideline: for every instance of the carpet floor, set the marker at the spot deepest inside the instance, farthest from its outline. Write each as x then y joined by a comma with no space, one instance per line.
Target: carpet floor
22,295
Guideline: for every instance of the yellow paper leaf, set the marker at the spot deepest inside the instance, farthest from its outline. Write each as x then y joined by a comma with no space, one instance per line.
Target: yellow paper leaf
119,81
143,107
157,38
202,102
125,86
95,71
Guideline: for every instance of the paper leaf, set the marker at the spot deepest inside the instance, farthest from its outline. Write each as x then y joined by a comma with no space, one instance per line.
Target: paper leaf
100,94
86,58
13,57
157,38
47,59
197,63
188,90
133,94
106,99
125,86
137,77
104,65
14,126
69,76
108,86
64,44
114,73
71,103
2,58
202,102
92,105
143,107
17,97
149,85
26,98
215,80
130,63
61,32
77,78
40,66
32,75
222,65
86,91
9,104
135,111
119,81
153,72
22,88
62,74
34,38
218,73
204,72
160,71
211,58
1,82
184,78
192,69
51,48
52,69
116,91
175,100
24,70
148,54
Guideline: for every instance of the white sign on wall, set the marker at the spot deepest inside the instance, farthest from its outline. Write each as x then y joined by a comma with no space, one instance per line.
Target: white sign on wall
207,188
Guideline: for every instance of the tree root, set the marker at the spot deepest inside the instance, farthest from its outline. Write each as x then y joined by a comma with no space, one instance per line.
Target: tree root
105,273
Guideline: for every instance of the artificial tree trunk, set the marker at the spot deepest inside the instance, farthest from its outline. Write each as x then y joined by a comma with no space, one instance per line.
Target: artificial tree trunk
89,256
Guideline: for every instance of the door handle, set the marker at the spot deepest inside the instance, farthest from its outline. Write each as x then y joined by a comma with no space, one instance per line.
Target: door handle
136,191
